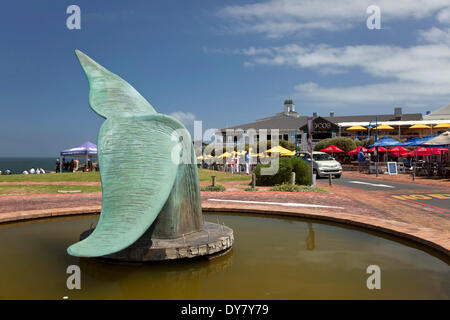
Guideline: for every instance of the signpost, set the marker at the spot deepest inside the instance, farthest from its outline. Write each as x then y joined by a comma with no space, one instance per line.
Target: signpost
310,149
392,167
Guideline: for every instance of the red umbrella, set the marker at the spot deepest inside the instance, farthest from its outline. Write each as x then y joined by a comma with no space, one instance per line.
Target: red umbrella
438,150
422,151
398,151
356,151
380,149
332,149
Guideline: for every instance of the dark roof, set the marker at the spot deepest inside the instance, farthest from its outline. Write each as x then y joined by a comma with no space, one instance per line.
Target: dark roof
381,117
278,121
283,121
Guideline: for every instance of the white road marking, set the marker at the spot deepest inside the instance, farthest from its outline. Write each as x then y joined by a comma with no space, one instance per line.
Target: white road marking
286,204
372,184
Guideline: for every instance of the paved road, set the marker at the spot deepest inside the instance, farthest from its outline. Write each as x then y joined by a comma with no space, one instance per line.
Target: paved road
378,184
429,196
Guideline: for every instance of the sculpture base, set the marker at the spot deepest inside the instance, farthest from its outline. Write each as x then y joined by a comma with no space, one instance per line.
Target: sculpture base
212,241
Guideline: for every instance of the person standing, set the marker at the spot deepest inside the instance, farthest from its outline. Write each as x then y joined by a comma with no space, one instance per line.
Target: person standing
247,162
367,158
75,165
360,159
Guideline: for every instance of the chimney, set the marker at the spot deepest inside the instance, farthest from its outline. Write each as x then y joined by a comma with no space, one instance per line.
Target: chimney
398,113
331,113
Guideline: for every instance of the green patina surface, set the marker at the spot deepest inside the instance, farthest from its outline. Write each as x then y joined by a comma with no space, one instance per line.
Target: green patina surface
148,169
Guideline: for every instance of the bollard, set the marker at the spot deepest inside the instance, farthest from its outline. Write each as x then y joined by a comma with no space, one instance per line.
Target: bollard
293,177
313,180
253,181
213,180
329,180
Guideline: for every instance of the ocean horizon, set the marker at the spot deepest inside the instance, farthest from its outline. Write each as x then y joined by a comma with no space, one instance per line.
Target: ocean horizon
19,164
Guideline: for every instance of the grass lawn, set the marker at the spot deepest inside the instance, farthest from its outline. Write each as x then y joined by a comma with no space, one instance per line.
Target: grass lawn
15,189
52,177
204,175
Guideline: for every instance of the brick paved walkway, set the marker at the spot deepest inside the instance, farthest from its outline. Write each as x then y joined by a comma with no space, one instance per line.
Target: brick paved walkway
374,210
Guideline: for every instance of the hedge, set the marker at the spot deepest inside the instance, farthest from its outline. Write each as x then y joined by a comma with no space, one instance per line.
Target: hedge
284,173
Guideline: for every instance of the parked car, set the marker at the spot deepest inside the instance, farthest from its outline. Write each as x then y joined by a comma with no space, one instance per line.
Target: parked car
323,163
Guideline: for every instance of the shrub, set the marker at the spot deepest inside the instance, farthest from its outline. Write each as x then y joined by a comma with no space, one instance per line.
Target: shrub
251,189
217,187
283,175
302,171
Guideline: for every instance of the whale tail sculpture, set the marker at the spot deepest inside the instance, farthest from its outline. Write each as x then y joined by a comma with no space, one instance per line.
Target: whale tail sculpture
148,169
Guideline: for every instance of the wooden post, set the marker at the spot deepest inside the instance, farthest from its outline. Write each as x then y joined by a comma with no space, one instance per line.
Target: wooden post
253,181
293,177
213,180
330,180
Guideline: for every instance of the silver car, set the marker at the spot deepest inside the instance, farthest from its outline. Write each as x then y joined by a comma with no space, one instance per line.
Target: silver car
323,164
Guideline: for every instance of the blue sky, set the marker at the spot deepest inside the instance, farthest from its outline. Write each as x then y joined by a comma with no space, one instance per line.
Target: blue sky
222,62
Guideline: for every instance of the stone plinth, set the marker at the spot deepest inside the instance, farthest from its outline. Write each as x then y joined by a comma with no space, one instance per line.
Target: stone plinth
213,240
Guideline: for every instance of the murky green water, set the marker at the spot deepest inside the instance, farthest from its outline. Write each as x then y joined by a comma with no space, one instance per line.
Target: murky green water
272,258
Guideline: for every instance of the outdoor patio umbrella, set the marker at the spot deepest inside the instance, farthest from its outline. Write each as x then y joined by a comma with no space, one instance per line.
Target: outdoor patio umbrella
441,140
442,126
356,128
385,142
439,150
356,151
420,151
279,149
384,127
380,149
225,155
420,127
332,149
398,151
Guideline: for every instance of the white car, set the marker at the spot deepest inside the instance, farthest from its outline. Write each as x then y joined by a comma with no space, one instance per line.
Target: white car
323,164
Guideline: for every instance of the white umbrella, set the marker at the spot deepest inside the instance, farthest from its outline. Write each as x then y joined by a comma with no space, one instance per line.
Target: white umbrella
442,139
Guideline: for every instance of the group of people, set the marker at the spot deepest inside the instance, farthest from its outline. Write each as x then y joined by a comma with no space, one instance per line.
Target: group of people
34,171
71,166
7,171
233,164
364,160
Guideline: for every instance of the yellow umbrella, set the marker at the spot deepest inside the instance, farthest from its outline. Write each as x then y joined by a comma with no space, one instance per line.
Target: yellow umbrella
292,153
200,158
225,155
420,126
280,150
384,127
356,128
442,126
261,155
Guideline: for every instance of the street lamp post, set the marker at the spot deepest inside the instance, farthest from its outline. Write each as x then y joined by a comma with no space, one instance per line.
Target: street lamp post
376,148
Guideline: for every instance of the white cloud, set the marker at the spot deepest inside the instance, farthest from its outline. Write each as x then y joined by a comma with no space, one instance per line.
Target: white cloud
185,118
416,75
405,93
436,35
276,18
444,16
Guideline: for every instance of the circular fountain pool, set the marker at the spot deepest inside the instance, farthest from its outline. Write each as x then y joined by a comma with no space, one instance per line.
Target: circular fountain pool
272,258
